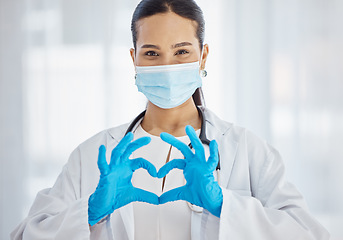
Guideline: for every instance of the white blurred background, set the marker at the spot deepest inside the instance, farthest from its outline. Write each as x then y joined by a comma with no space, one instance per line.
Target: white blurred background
275,67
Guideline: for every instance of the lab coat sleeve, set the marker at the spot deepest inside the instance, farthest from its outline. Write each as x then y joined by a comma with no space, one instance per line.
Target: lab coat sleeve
59,212
275,211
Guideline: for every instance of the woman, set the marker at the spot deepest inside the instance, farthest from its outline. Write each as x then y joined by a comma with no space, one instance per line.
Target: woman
114,198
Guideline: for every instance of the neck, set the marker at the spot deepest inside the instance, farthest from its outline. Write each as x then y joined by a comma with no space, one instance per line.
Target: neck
173,121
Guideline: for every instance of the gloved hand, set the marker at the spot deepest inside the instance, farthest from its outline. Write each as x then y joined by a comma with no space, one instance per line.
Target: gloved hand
115,189
201,189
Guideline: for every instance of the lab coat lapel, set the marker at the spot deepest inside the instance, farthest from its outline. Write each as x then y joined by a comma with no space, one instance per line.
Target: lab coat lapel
227,153
126,213
217,129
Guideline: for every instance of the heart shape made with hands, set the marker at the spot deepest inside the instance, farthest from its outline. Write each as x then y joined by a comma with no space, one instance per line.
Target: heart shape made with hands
115,188
200,189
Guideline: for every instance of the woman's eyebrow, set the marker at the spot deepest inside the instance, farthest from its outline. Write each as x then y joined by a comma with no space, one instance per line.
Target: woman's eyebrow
182,44
150,46
177,45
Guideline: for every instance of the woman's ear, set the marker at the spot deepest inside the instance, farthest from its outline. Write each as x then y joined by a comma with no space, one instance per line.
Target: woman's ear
205,52
132,53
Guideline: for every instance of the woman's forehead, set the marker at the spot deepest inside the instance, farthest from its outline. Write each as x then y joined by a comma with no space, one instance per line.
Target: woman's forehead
168,28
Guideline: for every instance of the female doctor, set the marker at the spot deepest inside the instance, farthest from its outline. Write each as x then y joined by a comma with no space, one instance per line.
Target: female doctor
177,171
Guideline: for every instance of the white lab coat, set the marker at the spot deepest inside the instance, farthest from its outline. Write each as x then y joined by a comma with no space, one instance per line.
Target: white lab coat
257,201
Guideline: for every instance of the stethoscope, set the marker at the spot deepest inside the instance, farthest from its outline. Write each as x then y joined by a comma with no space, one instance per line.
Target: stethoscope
202,136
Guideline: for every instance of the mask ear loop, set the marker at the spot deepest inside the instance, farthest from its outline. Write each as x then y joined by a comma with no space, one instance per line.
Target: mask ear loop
135,64
203,72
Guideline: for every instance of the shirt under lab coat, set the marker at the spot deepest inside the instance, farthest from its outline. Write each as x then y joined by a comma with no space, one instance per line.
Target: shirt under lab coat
257,201
168,221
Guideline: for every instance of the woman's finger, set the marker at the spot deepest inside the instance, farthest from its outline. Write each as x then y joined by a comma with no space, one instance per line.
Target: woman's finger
196,143
133,146
176,163
214,156
143,163
173,195
186,151
120,149
102,163
140,195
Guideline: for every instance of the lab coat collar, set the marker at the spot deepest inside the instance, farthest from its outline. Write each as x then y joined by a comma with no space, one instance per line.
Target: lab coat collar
215,123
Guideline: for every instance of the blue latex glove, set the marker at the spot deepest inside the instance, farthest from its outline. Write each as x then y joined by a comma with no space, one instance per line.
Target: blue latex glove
201,188
115,189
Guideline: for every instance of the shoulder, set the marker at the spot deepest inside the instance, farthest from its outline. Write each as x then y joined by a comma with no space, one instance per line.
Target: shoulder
240,136
108,135
225,128
222,127
89,148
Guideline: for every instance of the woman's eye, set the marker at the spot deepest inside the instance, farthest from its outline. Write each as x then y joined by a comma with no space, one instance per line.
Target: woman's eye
181,52
151,53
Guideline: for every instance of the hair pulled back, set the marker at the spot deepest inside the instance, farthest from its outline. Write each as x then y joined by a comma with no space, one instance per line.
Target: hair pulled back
184,8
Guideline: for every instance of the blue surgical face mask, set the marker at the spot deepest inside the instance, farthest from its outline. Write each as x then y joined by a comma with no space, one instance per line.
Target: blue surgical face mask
168,86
